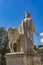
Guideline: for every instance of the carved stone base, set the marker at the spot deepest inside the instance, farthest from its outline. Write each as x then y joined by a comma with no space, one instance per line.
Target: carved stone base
18,58
14,58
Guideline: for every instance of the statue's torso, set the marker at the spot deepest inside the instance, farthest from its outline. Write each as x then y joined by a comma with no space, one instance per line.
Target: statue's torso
27,27
27,30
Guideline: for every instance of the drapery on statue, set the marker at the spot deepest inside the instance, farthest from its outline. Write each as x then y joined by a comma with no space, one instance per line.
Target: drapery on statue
27,29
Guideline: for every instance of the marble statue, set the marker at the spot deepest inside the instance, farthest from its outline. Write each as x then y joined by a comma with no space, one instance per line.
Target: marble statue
27,29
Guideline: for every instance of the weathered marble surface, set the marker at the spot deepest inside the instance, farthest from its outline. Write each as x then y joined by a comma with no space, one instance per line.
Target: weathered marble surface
21,44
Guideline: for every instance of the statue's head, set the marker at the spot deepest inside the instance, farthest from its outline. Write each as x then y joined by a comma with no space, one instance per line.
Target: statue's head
28,15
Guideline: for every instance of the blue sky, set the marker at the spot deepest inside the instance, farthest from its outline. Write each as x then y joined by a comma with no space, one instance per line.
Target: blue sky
12,12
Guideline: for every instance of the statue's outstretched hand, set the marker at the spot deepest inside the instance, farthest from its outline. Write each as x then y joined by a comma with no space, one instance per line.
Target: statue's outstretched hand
36,32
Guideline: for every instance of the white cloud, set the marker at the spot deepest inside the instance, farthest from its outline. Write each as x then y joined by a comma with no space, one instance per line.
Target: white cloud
41,34
41,40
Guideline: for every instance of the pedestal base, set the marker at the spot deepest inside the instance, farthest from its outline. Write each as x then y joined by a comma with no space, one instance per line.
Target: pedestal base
15,58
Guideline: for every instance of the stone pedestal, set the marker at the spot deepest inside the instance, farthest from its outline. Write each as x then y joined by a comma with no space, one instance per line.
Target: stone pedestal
19,58
15,58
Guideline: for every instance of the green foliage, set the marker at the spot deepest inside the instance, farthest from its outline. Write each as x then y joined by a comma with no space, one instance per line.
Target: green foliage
0,48
3,43
3,36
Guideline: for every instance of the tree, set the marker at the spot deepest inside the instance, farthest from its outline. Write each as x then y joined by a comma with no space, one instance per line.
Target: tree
3,43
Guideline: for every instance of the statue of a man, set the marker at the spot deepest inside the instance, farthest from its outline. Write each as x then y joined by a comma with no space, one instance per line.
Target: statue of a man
27,29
